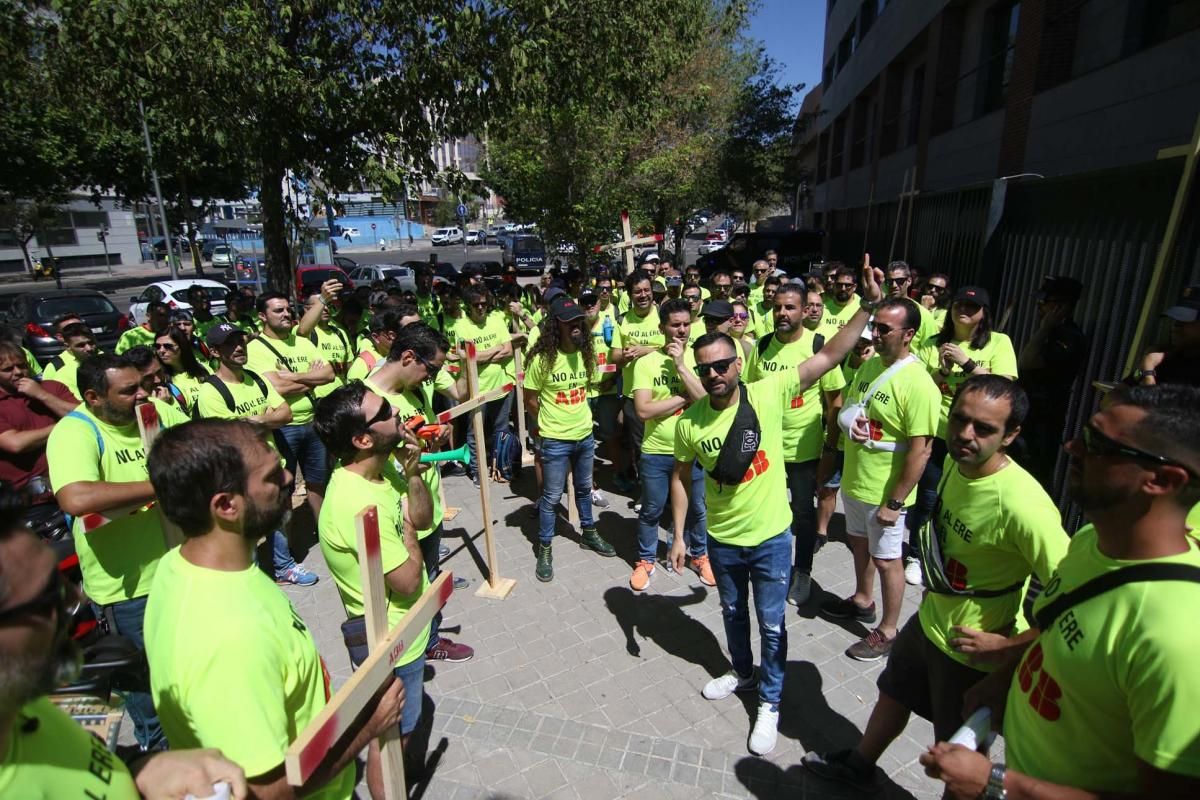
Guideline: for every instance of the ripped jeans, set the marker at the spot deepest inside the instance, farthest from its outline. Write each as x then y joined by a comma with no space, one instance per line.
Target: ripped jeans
765,570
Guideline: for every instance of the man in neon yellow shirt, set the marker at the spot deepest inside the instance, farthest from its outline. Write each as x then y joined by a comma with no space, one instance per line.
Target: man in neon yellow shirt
888,442
98,467
493,355
381,332
664,384
603,396
43,752
640,335
761,270
332,342
764,309
899,284
562,365
840,303
803,423
691,277
158,319
736,432
79,343
995,525
408,380
363,430
293,365
1103,702
223,484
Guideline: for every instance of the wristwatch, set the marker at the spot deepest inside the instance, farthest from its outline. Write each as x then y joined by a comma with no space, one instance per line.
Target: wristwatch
867,306
894,504
995,786
1144,373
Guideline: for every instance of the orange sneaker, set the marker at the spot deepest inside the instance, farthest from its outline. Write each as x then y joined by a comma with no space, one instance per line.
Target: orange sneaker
701,567
640,578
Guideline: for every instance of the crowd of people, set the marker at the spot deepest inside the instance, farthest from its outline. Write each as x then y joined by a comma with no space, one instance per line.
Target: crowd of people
745,405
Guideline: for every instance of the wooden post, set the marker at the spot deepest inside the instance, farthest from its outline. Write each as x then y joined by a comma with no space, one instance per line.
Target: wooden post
572,509
522,429
628,242
313,744
912,199
1190,152
149,427
495,587
375,608
899,214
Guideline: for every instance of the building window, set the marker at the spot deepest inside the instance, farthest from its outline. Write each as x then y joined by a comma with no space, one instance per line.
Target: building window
827,73
864,132
916,96
839,147
845,50
89,219
1152,22
999,49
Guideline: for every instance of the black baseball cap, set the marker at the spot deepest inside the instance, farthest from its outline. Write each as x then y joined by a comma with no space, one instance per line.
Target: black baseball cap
717,309
1060,287
973,294
1187,307
218,334
565,309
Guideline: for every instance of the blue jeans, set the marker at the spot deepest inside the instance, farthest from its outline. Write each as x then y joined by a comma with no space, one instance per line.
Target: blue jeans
495,419
655,471
922,509
281,554
127,619
765,570
413,677
300,445
429,554
557,457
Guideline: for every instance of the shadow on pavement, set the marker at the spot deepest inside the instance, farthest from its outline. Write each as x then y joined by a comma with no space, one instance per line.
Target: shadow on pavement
766,780
661,619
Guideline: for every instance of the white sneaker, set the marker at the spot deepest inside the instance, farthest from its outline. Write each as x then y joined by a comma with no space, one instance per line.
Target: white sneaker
912,571
598,499
727,684
766,730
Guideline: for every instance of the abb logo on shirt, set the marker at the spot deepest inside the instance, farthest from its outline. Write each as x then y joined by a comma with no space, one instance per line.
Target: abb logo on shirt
758,466
956,573
1044,691
798,401
602,358
571,398
876,428
946,388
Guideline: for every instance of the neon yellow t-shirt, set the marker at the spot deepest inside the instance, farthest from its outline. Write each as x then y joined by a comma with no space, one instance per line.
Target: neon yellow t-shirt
348,495
997,355
603,351
135,337
836,316
67,374
757,508
408,405
50,757
563,410
117,560
929,328
939,316
905,406
248,399
642,331
246,325
189,386
233,666
35,367
492,333
994,532
204,326
657,374
1114,679
804,415
365,363
335,350
298,354
764,319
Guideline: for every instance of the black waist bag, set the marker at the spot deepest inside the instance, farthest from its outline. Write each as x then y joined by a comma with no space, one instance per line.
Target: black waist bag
354,635
740,445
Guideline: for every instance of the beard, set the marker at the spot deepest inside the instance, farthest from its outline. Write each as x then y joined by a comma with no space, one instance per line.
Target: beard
114,415
26,677
262,520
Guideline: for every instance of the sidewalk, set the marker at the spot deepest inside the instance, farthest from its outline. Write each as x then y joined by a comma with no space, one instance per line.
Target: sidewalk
581,688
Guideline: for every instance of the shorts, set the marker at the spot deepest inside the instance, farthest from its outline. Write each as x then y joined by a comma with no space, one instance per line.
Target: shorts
835,480
926,681
883,543
605,409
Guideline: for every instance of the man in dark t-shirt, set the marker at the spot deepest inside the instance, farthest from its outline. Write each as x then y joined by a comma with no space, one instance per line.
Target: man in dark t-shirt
1179,360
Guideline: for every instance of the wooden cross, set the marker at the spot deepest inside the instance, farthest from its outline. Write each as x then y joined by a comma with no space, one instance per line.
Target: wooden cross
1190,153
628,242
149,426
315,741
495,587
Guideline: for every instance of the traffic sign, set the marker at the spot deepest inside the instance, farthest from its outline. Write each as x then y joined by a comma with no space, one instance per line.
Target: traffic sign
372,226
462,211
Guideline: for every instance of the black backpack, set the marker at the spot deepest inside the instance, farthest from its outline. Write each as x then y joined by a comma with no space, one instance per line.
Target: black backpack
765,342
226,395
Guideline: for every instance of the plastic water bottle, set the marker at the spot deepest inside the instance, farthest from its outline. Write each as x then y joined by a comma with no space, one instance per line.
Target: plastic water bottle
607,327
221,791
977,728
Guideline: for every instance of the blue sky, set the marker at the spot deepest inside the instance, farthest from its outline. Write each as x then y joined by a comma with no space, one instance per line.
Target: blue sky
792,31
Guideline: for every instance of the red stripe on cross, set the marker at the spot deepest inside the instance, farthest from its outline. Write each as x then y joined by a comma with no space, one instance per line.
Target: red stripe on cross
444,416
371,534
148,414
93,521
447,589
470,349
312,756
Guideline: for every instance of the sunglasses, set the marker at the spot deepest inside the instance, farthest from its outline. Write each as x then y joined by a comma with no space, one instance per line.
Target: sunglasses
1097,444
845,285
692,298
479,305
384,413
741,315
896,281
602,288
883,329
58,596
933,287
720,367
431,370
170,348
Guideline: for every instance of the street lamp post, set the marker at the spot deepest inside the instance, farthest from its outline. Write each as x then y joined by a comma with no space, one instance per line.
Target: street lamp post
102,235
162,214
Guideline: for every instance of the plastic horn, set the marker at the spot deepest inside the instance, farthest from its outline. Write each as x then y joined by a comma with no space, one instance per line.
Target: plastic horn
462,454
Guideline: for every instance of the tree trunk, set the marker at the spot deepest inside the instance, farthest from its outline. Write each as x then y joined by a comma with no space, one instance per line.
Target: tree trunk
279,259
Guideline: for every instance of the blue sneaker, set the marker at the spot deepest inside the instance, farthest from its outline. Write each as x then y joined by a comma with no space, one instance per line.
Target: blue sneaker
297,575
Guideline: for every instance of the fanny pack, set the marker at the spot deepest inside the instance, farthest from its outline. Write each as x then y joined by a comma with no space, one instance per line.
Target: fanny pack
850,413
354,635
740,445
931,540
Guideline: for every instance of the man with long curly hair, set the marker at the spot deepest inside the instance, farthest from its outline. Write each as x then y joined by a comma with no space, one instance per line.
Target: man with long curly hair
561,368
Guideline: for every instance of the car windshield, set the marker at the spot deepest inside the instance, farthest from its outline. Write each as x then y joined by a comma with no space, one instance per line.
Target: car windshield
396,272
321,275
216,294
52,307
530,246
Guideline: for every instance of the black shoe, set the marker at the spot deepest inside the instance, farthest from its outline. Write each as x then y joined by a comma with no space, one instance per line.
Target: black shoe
844,766
592,541
800,588
848,609
819,542
545,564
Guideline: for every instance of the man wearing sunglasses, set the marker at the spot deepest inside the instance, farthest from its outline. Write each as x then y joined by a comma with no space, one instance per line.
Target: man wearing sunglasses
935,297
494,356
841,302
98,467
899,283
803,423
760,270
1102,703
640,336
691,277
414,370
43,752
887,446
764,310
749,521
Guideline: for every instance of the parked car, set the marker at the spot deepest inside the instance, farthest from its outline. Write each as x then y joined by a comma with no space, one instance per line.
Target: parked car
473,237
797,250
224,255
443,236
32,316
310,278
175,295
486,268
368,273
160,245
526,253
245,271
712,243
347,264
347,231
493,234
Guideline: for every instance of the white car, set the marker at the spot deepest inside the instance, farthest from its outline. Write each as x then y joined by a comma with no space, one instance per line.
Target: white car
174,294
474,237
447,236
223,255
712,243
369,273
